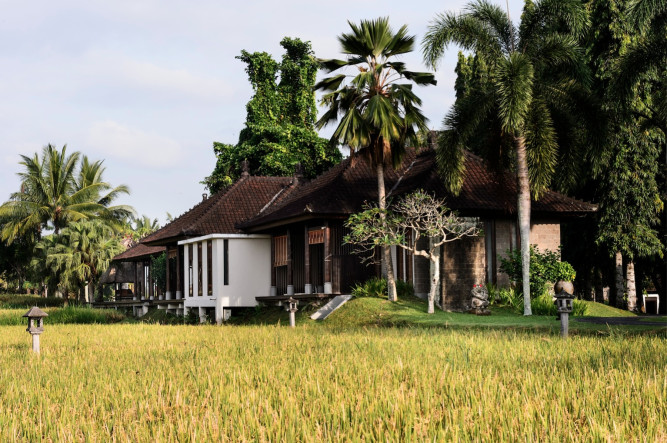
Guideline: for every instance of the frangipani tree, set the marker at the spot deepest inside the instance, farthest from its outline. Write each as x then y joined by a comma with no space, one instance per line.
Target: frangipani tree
412,217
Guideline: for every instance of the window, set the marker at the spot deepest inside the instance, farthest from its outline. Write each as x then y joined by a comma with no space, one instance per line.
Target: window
226,261
200,265
209,266
280,250
190,275
315,237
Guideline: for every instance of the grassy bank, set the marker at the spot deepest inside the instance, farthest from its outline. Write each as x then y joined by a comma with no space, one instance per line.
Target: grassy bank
264,383
410,312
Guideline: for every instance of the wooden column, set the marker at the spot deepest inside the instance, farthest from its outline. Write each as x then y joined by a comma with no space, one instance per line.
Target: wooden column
306,240
179,271
400,275
168,275
136,282
151,286
290,268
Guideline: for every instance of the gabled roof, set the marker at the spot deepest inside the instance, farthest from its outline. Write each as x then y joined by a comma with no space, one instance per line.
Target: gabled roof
345,188
220,213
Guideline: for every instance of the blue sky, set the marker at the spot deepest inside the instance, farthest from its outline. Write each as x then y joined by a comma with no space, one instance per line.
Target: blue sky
148,85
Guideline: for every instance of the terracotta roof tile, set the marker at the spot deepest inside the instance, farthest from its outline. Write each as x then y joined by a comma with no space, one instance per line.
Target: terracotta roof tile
220,213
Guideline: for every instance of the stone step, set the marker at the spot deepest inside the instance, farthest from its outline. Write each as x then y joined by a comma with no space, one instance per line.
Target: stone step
327,309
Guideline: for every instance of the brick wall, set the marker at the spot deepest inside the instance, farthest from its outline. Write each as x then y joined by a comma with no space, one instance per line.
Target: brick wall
546,235
463,266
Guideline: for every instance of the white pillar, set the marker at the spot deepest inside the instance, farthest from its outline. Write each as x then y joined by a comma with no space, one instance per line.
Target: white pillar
195,270
186,271
204,268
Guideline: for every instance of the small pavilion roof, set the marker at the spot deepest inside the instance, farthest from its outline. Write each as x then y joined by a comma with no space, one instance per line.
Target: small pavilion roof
139,252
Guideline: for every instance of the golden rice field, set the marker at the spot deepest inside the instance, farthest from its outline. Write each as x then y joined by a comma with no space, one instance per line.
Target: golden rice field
139,382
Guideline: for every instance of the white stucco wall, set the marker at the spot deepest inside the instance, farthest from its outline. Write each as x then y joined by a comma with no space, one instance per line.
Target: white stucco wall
249,271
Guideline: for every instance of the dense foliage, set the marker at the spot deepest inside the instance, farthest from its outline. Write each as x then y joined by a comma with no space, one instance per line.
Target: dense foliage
545,267
278,131
524,104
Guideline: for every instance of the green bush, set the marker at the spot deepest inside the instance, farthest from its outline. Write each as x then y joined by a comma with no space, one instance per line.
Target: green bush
21,301
545,267
377,287
68,315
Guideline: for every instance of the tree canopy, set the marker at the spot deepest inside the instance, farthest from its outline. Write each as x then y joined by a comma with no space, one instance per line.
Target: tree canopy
278,131
53,195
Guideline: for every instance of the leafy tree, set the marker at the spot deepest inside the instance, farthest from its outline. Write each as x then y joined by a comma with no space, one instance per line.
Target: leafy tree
51,197
159,271
627,168
376,110
643,67
278,132
528,109
417,215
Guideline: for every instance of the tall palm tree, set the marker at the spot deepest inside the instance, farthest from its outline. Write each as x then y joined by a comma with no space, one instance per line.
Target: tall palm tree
536,80
376,109
91,176
51,197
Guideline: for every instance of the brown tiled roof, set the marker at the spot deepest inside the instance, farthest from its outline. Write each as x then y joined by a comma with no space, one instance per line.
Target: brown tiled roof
138,251
347,186
220,213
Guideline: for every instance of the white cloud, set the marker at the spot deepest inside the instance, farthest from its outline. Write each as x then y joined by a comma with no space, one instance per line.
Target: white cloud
134,146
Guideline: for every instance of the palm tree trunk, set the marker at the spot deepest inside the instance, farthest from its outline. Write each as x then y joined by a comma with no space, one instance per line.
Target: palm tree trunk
386,250
620,289
523,207
632,288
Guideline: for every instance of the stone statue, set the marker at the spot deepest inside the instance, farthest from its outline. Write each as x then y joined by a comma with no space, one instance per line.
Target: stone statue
479,303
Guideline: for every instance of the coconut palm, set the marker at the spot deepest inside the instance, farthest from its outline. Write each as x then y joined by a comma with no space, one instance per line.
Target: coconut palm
375,107
536,79
78,255
51,196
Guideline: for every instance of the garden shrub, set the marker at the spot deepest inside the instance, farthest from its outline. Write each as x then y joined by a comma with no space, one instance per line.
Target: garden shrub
24,301
545,268
377,287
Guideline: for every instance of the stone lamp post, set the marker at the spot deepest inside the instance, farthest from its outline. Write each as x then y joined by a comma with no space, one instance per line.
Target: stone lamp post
291,307
35,325
564,303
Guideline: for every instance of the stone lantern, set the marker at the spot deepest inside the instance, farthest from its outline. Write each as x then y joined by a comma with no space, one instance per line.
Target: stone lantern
564,304
291,308
35,325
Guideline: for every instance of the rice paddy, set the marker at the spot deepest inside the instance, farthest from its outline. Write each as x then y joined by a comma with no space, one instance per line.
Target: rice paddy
142,382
